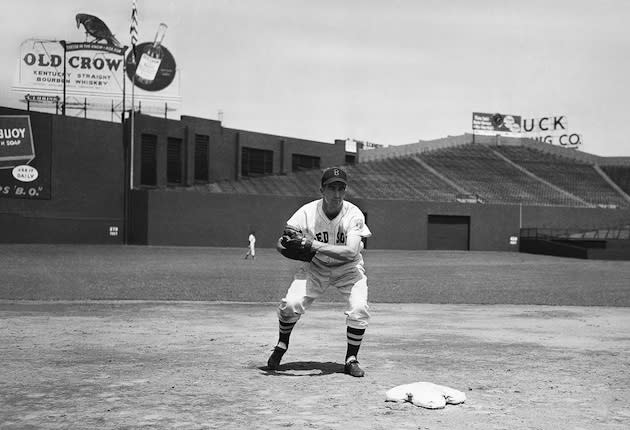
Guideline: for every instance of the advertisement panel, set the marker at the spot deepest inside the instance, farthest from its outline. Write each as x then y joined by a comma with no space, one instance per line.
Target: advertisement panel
551,129
91,70
24,166
155,70
496,123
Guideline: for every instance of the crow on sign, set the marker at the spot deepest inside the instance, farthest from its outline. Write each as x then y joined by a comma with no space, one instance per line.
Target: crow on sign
96,28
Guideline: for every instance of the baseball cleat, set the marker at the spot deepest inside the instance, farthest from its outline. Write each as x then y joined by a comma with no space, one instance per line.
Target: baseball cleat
352,368
274,360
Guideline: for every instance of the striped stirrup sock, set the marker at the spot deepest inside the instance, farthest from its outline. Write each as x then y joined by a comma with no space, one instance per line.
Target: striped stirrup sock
285,330
354,336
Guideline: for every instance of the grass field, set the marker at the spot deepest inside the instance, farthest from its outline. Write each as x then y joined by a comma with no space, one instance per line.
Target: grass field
109,337
66,272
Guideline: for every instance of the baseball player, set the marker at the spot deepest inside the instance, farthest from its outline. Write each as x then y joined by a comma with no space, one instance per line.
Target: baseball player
251,249
326,234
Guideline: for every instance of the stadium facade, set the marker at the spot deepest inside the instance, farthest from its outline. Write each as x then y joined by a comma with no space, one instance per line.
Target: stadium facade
197,183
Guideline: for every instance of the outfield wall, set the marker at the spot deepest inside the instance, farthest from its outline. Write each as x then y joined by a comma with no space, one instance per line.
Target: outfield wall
184,217
83,163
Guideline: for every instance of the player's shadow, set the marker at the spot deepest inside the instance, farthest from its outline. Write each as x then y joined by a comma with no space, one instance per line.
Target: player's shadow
305,368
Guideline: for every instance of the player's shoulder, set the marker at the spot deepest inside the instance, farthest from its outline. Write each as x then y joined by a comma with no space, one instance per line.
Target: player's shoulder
312,206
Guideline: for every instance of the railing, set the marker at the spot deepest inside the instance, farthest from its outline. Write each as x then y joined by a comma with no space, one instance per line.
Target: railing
605,233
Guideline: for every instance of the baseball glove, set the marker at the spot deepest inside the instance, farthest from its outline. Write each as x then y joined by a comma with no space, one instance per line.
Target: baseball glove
294,245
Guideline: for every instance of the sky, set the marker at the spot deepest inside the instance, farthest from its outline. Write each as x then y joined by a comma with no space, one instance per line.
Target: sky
389,72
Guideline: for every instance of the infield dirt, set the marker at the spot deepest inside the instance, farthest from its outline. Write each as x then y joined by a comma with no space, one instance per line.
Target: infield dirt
198,365
127,337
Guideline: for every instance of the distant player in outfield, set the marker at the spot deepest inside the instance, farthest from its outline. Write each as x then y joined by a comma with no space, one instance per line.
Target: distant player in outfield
329,232
251,248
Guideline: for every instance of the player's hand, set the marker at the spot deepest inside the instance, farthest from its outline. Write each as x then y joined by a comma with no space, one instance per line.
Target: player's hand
299,243
293,238
290,234
294,245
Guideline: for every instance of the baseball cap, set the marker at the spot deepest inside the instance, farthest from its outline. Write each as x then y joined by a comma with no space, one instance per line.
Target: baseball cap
334,174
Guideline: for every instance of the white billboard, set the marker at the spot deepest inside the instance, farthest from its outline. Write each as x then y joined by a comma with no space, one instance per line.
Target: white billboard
91,70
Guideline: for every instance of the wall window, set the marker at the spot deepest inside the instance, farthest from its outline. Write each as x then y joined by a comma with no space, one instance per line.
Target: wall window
256,162
148,159
202,152
174,170
304,162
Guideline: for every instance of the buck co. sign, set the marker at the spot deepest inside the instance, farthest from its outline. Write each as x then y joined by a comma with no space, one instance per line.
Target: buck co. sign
552,129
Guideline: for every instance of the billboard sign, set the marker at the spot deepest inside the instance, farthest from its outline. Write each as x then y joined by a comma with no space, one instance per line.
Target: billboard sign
552,129
155,70
16,141
24,173
92,70
496,123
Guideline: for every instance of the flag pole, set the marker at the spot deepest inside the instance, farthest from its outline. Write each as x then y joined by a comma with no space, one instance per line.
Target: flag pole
126,211
133,33
133,130
129,151
124,88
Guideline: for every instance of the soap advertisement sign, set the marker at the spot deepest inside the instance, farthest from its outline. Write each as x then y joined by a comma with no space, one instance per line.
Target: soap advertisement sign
24,170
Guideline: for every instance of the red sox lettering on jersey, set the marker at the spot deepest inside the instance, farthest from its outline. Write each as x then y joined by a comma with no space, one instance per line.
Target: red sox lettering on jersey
341,236
324,236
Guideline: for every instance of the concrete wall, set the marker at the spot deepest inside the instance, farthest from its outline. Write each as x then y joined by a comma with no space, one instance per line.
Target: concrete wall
404,225
176,217
186,218
87,174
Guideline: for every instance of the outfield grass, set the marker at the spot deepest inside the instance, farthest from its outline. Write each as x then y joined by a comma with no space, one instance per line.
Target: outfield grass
93,272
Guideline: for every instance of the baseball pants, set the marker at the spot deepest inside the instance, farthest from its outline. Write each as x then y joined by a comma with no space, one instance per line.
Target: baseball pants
312,281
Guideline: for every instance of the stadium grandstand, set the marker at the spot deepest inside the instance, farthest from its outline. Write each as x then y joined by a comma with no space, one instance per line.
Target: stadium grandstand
458,170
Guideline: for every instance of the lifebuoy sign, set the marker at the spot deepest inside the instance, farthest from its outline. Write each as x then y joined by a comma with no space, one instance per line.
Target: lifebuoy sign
20,176
16,141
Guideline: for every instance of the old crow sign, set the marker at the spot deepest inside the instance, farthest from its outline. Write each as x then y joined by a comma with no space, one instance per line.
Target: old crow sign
91,68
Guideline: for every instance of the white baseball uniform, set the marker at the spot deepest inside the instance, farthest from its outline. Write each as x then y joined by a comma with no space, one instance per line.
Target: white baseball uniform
252,244
315,277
